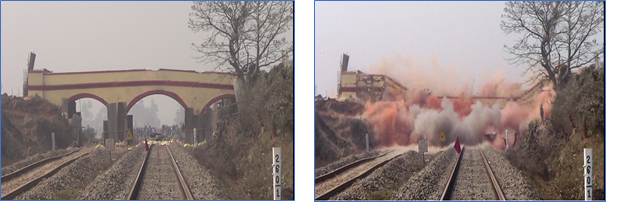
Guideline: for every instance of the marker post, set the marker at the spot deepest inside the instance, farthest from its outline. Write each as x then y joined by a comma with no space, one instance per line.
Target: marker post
53,142
423,148
367,143
277,173
588,174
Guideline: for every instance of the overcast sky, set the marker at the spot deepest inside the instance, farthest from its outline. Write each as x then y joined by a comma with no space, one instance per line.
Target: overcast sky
92,36
464,37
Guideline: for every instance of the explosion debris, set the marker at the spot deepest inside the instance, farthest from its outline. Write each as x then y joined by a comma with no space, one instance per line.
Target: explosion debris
417,112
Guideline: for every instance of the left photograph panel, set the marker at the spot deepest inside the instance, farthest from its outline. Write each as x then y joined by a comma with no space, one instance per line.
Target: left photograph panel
147,100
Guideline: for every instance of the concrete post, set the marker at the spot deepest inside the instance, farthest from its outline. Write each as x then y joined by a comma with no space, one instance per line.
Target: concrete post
195,121
53,142
507,140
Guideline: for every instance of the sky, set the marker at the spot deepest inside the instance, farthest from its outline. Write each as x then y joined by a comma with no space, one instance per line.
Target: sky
93,36
462,39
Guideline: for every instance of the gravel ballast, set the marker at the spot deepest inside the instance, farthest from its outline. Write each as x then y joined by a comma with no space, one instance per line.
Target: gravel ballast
514,184
70,179
429,183
32,159
116,182
200,181
472,182
385,179
160,180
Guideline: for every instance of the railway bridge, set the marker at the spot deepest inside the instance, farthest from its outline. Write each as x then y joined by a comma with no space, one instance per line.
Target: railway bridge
119,90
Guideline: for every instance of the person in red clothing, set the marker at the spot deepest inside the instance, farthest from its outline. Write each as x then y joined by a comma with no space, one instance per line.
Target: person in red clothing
146,145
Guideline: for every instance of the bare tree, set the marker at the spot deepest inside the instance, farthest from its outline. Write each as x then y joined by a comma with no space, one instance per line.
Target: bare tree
243,36
555,36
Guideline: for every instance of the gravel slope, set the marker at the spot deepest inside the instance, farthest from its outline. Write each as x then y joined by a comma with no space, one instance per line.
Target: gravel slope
70,179
200,181
514,184
429,183
387,178
116,182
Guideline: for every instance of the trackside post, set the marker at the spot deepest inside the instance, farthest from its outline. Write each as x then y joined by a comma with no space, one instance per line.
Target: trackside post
277,173
53,142
588,174
423,148
194,138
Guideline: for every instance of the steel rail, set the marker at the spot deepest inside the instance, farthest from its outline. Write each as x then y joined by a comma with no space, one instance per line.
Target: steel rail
346,167
139,177
452,179
136,187
180,178
494,182
25,169
339,188
34,182
450,184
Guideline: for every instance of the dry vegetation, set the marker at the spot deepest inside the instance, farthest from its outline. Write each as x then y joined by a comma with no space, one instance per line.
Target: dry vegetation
552,152
27,125
340,130
240,154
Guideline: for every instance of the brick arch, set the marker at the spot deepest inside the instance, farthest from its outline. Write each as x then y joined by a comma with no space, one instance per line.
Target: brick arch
153,92
87,95
215,99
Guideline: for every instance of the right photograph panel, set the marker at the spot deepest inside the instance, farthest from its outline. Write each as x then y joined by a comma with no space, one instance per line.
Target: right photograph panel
459,101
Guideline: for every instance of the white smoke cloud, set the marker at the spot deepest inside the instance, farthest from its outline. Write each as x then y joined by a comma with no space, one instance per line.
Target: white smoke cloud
429,123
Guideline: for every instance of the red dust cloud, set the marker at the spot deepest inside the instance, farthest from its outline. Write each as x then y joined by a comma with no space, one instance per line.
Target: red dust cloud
425,113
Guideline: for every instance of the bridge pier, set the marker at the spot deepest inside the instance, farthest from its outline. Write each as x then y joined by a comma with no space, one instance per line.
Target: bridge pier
76,126
208,117
117,118
196,125
112,121
121,121
130,127
105,132
189,124
64,107
201,124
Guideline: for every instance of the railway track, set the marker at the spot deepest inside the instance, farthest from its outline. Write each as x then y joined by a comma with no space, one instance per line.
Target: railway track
159,178
472,179
341,179
26,178
346,167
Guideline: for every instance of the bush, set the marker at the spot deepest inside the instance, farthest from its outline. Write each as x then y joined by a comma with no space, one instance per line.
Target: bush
551,146
269,102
